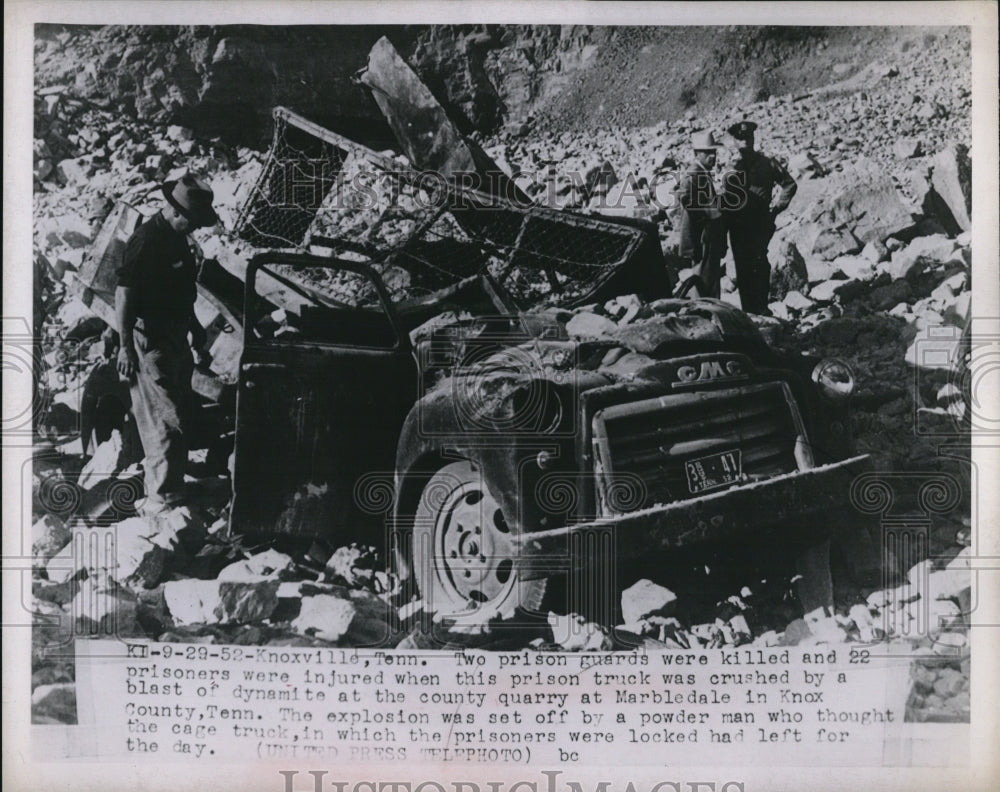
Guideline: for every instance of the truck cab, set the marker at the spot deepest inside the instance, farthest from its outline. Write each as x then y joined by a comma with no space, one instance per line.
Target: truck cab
489,450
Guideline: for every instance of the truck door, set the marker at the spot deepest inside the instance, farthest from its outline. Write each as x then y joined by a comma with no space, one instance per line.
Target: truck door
326,378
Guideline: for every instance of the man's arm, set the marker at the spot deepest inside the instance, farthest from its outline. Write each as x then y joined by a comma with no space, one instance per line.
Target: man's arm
198,340
128,361
787,186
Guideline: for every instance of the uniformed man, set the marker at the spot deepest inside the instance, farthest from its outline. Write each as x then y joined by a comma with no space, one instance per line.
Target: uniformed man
703,235
154,304
751,208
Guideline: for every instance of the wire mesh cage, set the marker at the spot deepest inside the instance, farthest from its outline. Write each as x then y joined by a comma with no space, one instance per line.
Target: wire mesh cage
301,169
425,234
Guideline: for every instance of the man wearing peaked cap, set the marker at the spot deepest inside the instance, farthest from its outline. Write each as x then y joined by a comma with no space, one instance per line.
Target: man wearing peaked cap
750,209
154,304
741,130
703,235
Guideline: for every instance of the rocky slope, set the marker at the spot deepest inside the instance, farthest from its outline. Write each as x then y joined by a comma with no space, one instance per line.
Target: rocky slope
872,263
224,80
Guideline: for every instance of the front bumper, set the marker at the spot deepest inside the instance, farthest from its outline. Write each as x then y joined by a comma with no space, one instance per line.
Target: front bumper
814,503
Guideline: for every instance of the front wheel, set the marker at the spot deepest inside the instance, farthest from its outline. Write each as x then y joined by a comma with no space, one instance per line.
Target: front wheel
464,558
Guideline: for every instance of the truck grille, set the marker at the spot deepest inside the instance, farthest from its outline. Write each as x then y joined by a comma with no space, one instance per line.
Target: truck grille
641,447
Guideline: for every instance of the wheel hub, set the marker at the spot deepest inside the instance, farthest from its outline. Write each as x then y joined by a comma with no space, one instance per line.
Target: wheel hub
473,557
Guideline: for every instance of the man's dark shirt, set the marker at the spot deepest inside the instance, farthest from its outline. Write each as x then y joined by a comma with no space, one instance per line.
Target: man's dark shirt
159,266
749,187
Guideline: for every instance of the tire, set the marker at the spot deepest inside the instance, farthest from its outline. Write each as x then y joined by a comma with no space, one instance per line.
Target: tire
463,558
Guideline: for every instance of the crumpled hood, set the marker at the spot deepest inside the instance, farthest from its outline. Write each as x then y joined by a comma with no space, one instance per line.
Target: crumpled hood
687,320
500,386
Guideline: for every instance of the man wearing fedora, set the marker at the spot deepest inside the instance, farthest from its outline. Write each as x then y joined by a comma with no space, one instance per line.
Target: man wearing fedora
703,235
154,304
751,208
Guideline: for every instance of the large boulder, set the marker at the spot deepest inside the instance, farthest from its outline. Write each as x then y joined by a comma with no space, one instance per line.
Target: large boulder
140,559
142,548
353,565
101,609
62,567
856,268
935,249
588,325
49,535
600,178
268,565
644,599
219,601
826,290
789,272
872,211
325,616
860,206
830,243
956,312
75,172
906,148
875,252
573,633
818,269
69,229
106,461
951,179
796,301
55,703
805,165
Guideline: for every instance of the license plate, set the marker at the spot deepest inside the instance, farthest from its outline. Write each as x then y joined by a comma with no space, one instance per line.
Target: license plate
714,471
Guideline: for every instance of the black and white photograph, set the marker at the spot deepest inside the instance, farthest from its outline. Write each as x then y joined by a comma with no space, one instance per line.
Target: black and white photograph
427,389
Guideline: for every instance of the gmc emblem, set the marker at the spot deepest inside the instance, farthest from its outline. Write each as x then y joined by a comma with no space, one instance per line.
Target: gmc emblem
709,370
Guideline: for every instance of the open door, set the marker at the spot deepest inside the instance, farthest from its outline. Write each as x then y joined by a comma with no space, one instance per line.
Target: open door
326,378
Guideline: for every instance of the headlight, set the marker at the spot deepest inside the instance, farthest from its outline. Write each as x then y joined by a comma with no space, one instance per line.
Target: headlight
834,379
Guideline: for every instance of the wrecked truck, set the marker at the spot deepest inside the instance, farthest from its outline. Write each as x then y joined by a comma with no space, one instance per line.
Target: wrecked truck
505,396
488,423
496,451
